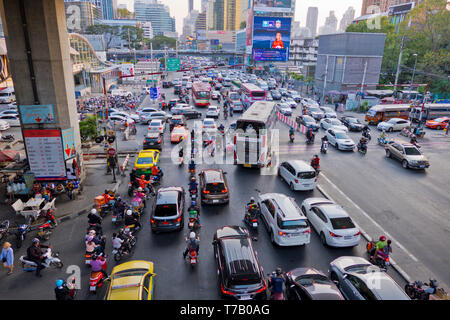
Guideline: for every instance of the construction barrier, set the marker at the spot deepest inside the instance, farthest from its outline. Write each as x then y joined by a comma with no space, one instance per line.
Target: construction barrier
124,165
291,123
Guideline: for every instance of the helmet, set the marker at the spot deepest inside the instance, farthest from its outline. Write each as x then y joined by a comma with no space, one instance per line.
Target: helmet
36,240
118,198
382,238
252,199
59,282
94,211
433,283
92,232
193,203
192,235
143,176
316,156
278,271
140,189
90,238
193,179
129,212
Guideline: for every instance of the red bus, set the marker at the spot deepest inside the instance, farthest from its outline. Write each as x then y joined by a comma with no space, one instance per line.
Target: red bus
252,92
201,93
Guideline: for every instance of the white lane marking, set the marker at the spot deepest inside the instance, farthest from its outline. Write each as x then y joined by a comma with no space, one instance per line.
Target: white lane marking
371,220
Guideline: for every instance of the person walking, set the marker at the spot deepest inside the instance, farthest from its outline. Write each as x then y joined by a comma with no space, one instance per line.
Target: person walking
7,257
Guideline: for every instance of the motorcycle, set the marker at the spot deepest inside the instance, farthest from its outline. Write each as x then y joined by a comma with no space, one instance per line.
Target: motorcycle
131,187
291,138
22,231
324,147
382,141
366,134
380,260
191,174
180,161
193,194
272,294
193,220
97,279
225,115
50,260
7,138
192,257
117,218
362,148
121,252
310,140
104,209
45,230
415,291
251,221
4,227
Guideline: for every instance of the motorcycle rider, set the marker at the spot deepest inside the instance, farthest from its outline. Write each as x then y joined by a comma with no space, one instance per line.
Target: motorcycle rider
221,128
252,209
365,131
126,240
181,154
95,220
363,144
193,243
383,136
324,138
97,264
63,290
194,207
131,219
192,166
193,185
143,184
310,135
291,132
117,242
156,172
276,282
378,246
315,162
35,254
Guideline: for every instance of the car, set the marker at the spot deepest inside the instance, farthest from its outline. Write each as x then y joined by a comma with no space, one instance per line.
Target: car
212,112
297,98
217,86
145,111
310,284
290,102
308,102
327,123
331,222
168,210
394,124
269,97
177,89
408,154
132,280
179,108
276,95
191,113
340,139
135,117
239,273
178,134
10,112
237,106
157,115
298,175
153,140
166,84
352,123
145,160
13,120
215,95
284,92
189,85
118,119
438,123
329,113
358,279
178,120
233,96
213,187
308,122
209,123
156,125
315,112
285,222
4,125
284,108
172,103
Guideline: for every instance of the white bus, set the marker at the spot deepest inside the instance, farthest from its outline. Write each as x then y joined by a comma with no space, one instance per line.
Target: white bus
252,92
253,136
430,111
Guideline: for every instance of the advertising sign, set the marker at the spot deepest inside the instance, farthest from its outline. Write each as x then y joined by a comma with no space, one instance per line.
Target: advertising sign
201,35
45,153
271,38
35,114
68,140
173,64
272,5
127,69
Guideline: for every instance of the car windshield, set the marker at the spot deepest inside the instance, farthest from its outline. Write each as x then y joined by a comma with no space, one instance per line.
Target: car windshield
307,175
130,273
215,187
308,119
292,224
311,279
155,124
178,130
353,120
361,268
342,223
341,135
439,120
315,110
393,121
336,122
411,151
146,160
165,210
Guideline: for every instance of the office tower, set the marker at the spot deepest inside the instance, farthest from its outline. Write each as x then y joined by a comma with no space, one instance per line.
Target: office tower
311,20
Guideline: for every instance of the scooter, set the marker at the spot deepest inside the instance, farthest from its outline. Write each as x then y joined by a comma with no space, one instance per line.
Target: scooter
310,140
382,141
97,278
193,194
120,253
22,231
45,230
50,260
324,147
117,218
192,257
291,138
362,148
252,222
193,221
380,260
415,291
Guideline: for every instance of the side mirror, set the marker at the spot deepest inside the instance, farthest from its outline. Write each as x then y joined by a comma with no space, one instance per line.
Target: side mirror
344,276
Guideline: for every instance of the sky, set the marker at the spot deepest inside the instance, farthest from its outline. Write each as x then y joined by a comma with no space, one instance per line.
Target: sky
179,8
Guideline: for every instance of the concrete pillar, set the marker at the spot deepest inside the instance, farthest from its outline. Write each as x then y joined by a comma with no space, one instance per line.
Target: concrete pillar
48,58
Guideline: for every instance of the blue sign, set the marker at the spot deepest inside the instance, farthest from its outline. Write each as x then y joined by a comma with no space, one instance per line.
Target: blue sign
271,37
35,114
68,140
154,92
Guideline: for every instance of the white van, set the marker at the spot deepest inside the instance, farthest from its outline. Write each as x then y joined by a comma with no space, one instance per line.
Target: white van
284,220
298,175
7,95
121,93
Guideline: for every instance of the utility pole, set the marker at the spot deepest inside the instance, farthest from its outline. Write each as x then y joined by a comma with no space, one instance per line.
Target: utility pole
364,77
412,79
398,64
325,81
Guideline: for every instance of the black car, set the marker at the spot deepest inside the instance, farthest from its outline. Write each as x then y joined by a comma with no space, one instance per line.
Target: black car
177,89
310,284
352,123
239,274
276,95
166,84
308,122
153,140
191,113
168,210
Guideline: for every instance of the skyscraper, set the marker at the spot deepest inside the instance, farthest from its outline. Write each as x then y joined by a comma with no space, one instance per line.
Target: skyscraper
109,8
157,13
347,19
311,20
191,5
330,24
204,6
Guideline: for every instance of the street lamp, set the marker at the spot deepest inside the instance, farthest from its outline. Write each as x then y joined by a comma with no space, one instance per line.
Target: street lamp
414,71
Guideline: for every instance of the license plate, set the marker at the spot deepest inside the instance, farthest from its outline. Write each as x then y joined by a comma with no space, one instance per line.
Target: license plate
215,201
294,234
422,166
88,261
348,237
247,165
245,297
92,288
254,224
193,260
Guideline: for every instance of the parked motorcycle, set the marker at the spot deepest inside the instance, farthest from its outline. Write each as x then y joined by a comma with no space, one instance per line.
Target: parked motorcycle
50,260
45,230
21,233
416,291
4,227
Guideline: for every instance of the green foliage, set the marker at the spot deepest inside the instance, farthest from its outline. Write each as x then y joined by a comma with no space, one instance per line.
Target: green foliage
159,42
123,13
134,35
243,25
88,128
108,32
363,107
163,62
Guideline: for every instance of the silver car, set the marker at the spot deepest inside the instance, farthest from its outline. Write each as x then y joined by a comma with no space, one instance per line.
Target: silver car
358,279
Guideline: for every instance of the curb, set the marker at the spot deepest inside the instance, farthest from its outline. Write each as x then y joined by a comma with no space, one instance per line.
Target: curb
368,238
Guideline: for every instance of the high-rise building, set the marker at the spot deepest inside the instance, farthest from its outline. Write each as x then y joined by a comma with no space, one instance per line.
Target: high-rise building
383,5
204,6
311,20
189,24
148,30
330,24
81,14
157,13
200,23
216,11
232,14
191,5
109,8
347,19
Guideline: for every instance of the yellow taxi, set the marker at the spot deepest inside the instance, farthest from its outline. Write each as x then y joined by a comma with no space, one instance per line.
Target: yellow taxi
131,280
145,160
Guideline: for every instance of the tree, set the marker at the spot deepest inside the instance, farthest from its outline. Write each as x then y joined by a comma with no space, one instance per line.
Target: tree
134,36
108,32
159,42
88,128
123,13
243,25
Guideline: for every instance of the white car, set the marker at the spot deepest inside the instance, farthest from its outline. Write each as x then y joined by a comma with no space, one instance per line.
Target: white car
331,222
309,102
119,119
298,175
9,112
340,139
145,111
160,115
285,109
11,119
4,125
329,113
394,124
189,85
327,123
135,117
212,112
215,95
156,125
209,123
291,102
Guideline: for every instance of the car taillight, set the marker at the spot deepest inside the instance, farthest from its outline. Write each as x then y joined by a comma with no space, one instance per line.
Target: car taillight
225,190
315,180
225,291
178,219
307,231
262,289
282,234
159,140
152,221
296,180
334,235
205,192
358,233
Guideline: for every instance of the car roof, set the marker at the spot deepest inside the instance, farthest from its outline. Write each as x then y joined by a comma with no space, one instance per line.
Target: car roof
153,134
333,210
231,232
287,205
300,165
168,195
155,120
128,287
213,175
385,288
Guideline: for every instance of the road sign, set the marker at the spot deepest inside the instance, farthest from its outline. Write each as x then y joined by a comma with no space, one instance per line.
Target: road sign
68,139
173,64
35,114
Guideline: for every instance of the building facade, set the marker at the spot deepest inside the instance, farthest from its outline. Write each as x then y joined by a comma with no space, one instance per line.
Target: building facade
157,13
311,21
347,19
109,9
330,25
241,37
379,6
81,14
303,54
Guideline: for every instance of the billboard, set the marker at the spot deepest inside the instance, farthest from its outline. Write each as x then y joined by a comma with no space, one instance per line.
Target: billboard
127,69
271,38
272,5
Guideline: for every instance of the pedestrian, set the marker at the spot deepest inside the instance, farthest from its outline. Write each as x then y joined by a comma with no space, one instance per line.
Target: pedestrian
447,128
7,257
336,105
